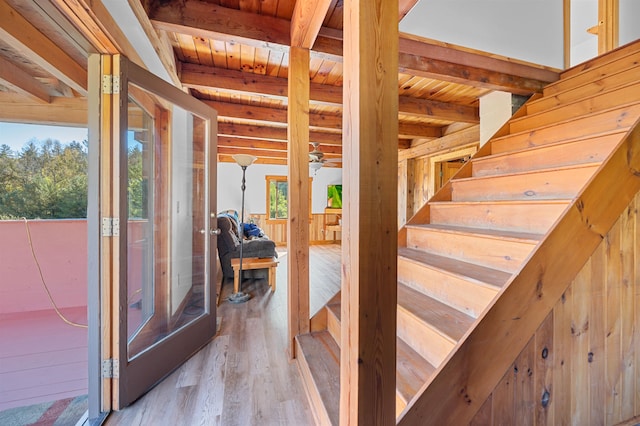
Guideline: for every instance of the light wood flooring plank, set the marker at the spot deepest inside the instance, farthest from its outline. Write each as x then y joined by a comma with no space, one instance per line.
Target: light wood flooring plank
243,377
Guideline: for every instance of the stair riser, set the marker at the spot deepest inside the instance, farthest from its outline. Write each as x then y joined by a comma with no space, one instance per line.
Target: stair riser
594,70
430,344
526,217
609,121
532,186
627,94
584,151
466,296
333,325
496,253
589,88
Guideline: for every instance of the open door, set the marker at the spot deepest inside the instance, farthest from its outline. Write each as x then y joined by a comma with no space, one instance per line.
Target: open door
157,204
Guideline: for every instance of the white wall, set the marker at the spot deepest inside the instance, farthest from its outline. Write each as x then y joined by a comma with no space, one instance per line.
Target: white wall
230,180
530,30
584,46
495,110
629,21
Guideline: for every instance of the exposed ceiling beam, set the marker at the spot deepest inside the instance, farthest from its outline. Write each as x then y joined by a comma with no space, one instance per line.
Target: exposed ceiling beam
274,133
60,111
200,19
463,74
204,77
279,116
258,144
306,21
464,137
21,82
36,47
438,110
271,115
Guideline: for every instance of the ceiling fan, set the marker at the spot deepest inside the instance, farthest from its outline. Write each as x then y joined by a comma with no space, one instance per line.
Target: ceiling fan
317,160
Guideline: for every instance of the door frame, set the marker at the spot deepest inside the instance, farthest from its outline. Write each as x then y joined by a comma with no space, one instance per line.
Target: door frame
114,380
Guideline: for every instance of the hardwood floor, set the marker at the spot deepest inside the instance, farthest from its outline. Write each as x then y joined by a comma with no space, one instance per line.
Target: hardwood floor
243,377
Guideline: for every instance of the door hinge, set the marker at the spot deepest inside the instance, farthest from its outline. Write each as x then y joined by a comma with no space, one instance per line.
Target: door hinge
110,84
110,368
110,227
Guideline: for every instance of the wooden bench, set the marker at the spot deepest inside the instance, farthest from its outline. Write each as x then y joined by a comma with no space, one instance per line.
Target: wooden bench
254,263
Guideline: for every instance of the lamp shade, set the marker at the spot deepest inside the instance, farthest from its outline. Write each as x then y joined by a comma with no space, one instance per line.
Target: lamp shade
244,160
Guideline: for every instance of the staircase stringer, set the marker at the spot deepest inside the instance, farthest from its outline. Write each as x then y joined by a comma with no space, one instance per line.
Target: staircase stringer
473,369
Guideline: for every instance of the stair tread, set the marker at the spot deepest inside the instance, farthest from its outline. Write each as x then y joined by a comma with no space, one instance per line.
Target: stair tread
573,102
412,370
559,123
591,164
546,146
505,202
606,76
490,233
322,355
481,274
449,321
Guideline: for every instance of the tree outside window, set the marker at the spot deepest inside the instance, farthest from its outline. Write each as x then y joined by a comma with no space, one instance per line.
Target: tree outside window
277,201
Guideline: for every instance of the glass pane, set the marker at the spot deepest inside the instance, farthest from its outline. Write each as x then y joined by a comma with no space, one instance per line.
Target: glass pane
281,199
167,236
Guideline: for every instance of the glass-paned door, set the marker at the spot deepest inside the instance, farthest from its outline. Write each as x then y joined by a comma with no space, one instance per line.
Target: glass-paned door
161,190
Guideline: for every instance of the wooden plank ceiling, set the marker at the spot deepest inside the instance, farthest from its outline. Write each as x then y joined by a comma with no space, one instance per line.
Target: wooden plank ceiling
234,55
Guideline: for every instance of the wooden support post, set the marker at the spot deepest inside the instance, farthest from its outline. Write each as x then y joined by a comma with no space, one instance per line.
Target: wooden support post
298,195
369,253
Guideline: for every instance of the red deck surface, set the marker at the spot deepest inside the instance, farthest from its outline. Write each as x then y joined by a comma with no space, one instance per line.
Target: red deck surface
41,357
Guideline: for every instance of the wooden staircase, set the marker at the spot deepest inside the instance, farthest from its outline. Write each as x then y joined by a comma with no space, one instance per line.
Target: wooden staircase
476,253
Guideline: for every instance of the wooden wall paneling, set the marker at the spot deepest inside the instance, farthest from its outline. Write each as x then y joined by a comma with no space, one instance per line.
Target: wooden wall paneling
579,345
503,399
544,354
484,415
298,195
597,355
411,189
403,195
590,337
562,359
524,385
369,263
613,329
627,314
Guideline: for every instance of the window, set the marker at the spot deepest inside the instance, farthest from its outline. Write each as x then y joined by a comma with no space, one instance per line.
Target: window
277,201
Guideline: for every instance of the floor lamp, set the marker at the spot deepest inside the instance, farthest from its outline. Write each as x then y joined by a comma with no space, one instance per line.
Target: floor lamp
244,161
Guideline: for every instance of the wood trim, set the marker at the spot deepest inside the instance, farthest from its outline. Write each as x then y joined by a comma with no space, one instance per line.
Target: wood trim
369,263
608,25
298,195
